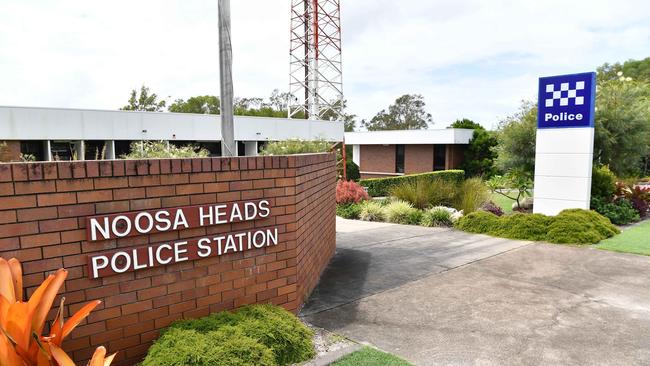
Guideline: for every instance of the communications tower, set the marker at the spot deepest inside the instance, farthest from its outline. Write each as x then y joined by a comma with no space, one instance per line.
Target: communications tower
316,82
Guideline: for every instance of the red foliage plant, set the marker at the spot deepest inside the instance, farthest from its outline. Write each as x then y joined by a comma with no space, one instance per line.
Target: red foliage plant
639,197
350,192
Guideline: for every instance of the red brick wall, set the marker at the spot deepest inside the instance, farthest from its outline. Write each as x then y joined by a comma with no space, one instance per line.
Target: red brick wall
9,151
43,207
418,159
377,158
455,156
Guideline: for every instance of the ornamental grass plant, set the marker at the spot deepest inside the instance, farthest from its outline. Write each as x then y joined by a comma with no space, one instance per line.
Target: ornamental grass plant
372,211
400,212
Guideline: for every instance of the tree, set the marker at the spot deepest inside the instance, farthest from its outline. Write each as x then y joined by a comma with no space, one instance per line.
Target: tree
638,70
144,102
407,113
349,120
204,104
480,153
622,136
516,140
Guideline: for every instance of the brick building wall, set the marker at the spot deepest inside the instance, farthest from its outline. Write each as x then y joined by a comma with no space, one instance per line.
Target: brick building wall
9,151
418,158
377,158
455,156
43,211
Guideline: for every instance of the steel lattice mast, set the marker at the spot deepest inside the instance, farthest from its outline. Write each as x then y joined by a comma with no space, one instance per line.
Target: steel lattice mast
316,82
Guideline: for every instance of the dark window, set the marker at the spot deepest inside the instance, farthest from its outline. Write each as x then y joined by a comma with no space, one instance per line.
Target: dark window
34,148
399,158
122,148
241,148
439,157
62,150
95,150
213,147
260,145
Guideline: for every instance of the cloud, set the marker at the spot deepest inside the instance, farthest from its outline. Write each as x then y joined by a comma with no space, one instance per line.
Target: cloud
473,59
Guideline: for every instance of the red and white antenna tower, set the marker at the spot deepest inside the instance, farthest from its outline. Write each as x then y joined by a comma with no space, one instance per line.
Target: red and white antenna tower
316,82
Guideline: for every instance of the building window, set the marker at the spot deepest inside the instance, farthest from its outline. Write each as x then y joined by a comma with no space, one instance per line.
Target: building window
122,147
399,158
439,157
95,150
34,149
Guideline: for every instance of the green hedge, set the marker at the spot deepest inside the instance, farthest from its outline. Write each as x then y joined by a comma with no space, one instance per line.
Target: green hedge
379,187
253,335
572,226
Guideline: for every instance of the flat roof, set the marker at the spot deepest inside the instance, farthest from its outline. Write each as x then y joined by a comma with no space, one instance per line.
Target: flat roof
41,123
413,137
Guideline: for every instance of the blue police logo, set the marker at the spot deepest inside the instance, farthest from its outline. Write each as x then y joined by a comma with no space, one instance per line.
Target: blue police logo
566,101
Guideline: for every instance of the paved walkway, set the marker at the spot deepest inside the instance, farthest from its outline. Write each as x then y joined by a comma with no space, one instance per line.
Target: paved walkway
442,297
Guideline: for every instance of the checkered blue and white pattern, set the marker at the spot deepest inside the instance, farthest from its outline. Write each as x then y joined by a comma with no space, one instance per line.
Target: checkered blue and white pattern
564,94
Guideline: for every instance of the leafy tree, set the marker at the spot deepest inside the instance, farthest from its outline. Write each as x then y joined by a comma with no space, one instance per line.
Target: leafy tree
636,69
622,139
144,102
515,185
466,123
204,104
516,140
349,120
407,113
480,153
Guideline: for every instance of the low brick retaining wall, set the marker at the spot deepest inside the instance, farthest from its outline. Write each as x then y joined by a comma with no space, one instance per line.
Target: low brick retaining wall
46,208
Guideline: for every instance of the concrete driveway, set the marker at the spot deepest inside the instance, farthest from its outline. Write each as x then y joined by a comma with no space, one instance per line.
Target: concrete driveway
442,297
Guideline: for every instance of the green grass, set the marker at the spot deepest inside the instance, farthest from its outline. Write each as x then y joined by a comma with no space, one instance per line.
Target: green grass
370,357
634,240
504,202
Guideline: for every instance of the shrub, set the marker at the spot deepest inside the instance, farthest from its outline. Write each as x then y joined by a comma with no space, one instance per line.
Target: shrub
619,211
492,207
372,211
523,226
348,210
471,194
573,226
580,226
399,212
479,222
603,183
349,192
638,196
352,170
163,149
423,193
379,187
436,216
295,146
225,346
289,340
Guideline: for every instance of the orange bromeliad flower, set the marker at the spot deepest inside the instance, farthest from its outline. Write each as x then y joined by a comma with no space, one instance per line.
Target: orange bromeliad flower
22,323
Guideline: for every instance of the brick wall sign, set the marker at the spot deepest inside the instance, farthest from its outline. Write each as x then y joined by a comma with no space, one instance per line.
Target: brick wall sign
161,240
191,217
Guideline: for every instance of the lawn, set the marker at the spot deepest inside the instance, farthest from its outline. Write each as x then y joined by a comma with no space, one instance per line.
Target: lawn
633,240
370,357
504,202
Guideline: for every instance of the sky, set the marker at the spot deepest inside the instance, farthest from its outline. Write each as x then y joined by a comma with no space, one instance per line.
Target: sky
469,59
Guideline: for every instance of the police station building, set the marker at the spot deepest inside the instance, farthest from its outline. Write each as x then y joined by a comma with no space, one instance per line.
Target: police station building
82,134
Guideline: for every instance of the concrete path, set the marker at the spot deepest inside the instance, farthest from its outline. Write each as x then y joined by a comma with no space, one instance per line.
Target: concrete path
441,297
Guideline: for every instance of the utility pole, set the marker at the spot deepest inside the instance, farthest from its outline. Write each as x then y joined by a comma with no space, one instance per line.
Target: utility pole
228,146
